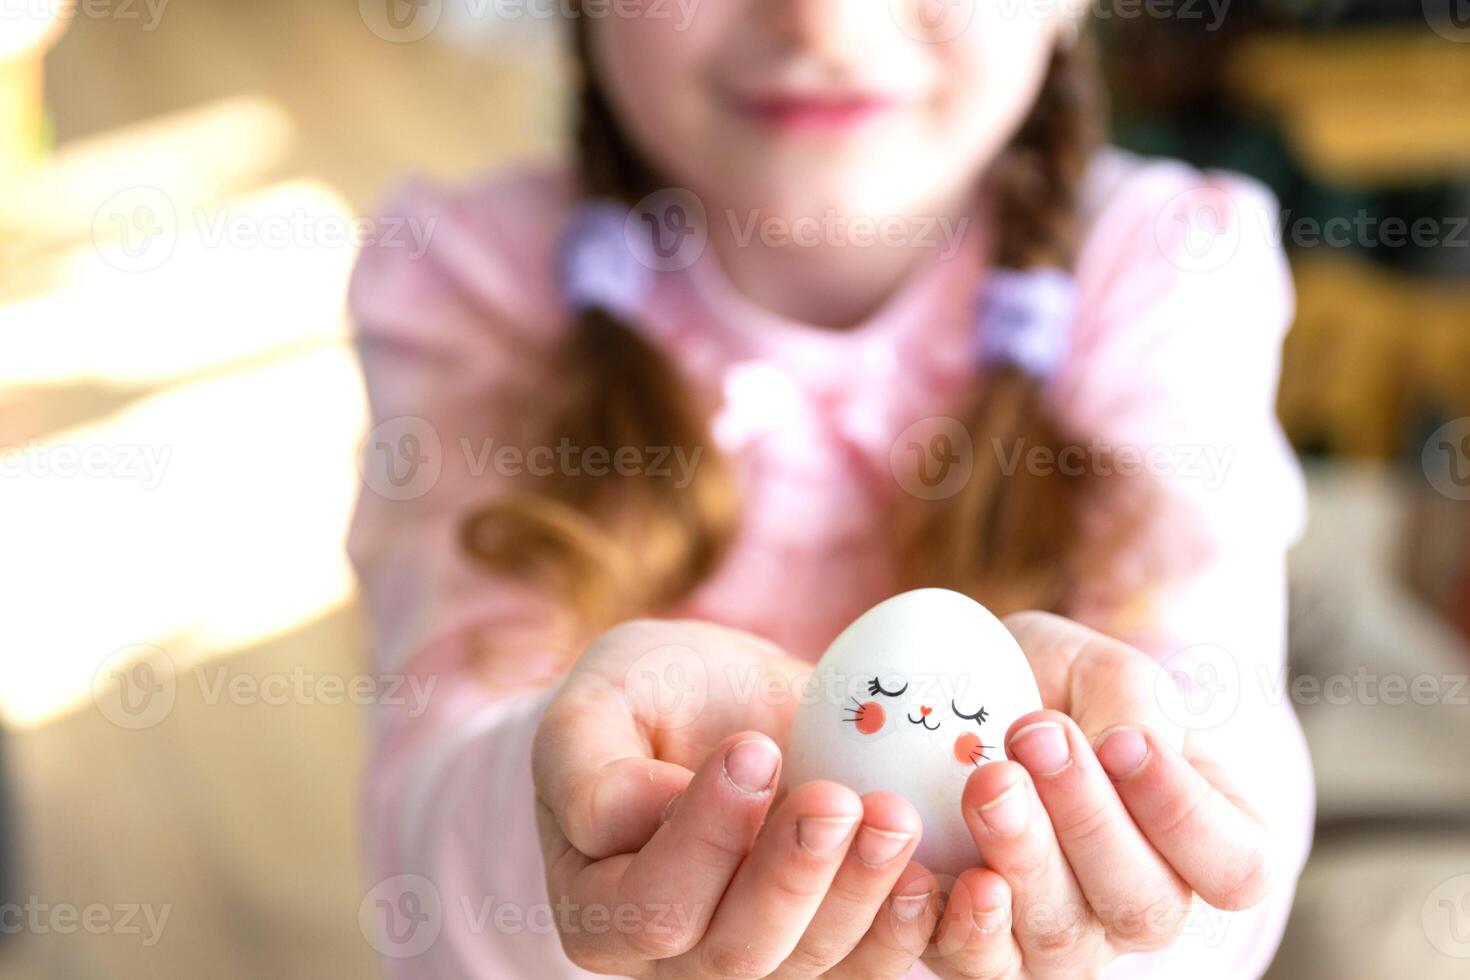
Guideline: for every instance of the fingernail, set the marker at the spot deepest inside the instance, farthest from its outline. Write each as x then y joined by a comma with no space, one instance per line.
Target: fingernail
822,835
1042,748
751,765
669,808
1006,814
877,847
992,921
908,907
1122,752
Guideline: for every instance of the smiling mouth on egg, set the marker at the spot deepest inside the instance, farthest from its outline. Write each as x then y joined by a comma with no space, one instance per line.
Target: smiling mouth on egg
920,721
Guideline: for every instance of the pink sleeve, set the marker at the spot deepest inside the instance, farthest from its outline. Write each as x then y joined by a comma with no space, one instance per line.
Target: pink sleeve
456,886
1187,297
446,333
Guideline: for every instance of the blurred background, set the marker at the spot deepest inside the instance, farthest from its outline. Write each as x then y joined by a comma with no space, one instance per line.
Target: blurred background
182,685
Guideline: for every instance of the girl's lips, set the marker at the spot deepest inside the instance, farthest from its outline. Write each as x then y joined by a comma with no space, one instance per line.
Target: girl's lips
814,113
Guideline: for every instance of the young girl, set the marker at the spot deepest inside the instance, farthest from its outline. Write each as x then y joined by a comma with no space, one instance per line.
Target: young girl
839,298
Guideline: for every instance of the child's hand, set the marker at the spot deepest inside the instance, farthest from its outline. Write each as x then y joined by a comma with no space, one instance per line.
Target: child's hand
702,894
1081,867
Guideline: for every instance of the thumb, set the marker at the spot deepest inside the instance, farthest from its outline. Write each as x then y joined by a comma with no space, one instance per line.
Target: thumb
1097,680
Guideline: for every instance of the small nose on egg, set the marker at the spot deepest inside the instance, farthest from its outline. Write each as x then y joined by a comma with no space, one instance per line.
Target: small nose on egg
924,710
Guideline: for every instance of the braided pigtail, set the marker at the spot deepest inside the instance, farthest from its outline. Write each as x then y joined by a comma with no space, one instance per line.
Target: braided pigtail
1010,536
616,545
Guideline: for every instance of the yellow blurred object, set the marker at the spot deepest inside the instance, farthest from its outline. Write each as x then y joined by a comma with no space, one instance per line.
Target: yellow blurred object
24,40
1369,349
1375,106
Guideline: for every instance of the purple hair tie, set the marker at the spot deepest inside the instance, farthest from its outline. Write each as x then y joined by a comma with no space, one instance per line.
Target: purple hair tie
596,265
1024,319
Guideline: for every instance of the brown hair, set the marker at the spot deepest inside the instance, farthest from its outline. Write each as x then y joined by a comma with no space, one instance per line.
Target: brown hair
614,551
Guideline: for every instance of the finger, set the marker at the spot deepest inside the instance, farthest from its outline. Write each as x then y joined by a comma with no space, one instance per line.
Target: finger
618,808
879,853
1051,920
575,882
900,931
1099,681
770,903
663,898
1139,899
594,769
1216,844
974,937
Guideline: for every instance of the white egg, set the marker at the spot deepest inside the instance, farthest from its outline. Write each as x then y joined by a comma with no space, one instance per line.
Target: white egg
911,698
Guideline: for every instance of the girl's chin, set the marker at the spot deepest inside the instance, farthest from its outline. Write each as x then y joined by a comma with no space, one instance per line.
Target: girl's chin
815,192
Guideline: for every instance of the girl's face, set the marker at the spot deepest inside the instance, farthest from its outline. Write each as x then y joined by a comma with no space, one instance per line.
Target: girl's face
806,108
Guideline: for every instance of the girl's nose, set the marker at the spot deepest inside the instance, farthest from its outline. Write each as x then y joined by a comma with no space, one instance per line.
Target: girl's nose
924,710
818,25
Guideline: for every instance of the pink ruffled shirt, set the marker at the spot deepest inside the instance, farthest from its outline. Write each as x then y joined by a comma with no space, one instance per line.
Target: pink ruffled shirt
1174,362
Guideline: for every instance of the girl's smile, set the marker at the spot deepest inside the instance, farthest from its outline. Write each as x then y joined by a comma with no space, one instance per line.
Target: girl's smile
815,112
795,109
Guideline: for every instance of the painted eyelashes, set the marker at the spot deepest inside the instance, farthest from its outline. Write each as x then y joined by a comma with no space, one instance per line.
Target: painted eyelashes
978,717
876,688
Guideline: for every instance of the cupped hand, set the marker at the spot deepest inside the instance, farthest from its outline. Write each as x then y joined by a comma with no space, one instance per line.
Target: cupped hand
656,768
1100,828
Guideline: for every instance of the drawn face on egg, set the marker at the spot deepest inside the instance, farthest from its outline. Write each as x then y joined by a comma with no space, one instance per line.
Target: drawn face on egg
932,704
911,698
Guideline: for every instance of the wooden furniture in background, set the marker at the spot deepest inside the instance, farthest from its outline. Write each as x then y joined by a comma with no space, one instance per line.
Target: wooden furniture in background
1371,106
1370,350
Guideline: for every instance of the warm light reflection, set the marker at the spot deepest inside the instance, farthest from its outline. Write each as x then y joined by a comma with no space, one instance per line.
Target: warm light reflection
221,523
219,283
207,510
197,156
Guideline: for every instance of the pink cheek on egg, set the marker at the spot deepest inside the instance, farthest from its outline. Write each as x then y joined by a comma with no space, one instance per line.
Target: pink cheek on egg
969,750
870,718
